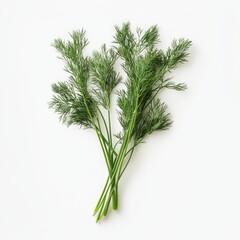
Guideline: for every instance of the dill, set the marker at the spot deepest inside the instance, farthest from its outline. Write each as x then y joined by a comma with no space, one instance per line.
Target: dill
84,99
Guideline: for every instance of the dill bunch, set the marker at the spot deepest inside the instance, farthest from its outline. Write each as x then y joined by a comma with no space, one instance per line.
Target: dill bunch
84,99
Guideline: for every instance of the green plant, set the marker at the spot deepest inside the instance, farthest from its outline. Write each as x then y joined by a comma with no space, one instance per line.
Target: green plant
85,98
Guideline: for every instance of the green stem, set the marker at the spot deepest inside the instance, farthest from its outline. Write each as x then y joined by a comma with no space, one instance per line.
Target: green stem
108,158
104,149
115,193
97,129
132,149
110,151
100,201
119,161
106,141
109,192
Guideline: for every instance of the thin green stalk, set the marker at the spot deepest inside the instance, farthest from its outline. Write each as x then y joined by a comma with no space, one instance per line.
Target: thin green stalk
110,166
104,149
115,193
98,135
106,141
104,122
110,152
107,188
98,203
131,153
120,158
103,209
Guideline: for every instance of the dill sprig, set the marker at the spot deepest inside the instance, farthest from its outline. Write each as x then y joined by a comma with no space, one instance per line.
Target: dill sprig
85,98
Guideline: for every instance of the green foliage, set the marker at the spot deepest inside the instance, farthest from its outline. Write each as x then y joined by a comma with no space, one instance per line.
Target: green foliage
103,75
69,104
85,97
71,96
154,118
177,53
146,66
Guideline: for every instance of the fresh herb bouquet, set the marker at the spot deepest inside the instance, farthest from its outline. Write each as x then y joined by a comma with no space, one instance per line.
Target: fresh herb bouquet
85,98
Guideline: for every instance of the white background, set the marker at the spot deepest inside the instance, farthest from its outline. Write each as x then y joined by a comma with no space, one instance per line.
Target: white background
181,184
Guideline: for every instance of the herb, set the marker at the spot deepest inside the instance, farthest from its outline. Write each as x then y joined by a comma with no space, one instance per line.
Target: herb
85,98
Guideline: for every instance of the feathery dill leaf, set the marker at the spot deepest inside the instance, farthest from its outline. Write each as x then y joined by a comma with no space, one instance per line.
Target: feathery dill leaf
69,105
177,53
72,100
103,75
145,70
149,39
154,118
